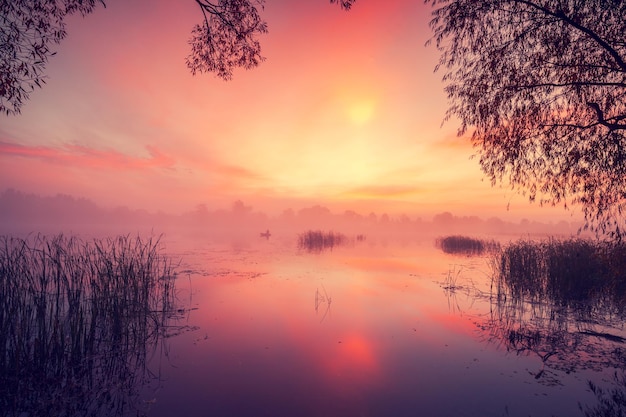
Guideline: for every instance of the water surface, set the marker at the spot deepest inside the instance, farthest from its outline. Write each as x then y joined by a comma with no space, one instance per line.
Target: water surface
373,327
370,329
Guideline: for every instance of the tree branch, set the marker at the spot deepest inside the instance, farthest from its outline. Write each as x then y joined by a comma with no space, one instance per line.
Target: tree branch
605,122
559,14
206,19
208,7
569,84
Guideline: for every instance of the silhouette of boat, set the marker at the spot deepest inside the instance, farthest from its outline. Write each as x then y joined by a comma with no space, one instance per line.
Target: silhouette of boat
266,234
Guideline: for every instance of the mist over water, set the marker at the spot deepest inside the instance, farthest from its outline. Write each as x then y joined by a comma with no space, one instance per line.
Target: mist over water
373,319
371,328
21,212
330,249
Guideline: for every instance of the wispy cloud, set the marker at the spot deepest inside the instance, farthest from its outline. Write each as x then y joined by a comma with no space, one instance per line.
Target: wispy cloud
82,156
382,191
455,142
238,172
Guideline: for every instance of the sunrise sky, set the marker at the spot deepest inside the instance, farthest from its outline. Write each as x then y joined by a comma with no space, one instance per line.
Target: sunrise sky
345,112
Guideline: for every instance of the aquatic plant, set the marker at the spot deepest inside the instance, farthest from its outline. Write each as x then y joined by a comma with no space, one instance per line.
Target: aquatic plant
322,299
317,241
568,271
561,300
466,245
77,321
453,284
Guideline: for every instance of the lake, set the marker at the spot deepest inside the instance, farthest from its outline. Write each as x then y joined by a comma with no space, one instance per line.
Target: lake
378,327
372,328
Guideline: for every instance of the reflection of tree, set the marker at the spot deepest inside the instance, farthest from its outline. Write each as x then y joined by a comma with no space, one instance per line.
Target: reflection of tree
78,322
563,338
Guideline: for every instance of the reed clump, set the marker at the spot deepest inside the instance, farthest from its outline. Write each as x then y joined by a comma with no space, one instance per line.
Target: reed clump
566,271
317,241
77,320
465,245
563,300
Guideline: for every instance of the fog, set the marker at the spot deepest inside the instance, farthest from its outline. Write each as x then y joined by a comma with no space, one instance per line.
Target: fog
29,213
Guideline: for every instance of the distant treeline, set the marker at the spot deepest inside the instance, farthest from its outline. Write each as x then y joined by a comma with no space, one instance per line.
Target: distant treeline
34,211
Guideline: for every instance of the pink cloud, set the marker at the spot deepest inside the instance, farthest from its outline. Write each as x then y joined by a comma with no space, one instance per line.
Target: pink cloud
77,155
238,172
455,142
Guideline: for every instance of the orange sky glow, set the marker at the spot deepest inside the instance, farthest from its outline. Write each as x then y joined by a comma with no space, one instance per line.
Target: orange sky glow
345,112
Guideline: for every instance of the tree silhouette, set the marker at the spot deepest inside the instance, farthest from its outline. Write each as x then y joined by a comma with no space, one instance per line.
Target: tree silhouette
28,30
542,85
226,39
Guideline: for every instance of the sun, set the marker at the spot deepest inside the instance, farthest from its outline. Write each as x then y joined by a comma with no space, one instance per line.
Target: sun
362,111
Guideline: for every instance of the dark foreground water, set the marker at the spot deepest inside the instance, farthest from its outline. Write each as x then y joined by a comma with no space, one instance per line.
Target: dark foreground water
372,328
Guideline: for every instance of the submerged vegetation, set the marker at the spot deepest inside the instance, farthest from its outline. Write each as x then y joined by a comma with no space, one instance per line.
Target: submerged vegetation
317,241
77,322
465,245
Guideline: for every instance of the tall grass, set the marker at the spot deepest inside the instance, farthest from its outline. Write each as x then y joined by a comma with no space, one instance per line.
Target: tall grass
466,245
317,241
569,271
77,320
562,300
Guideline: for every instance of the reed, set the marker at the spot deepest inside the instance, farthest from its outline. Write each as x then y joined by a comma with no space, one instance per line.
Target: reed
519,266
562,300
466,245
77,320
568,271
317,241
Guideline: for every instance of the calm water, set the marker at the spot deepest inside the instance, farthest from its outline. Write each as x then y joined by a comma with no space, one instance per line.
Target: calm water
371,329
375,328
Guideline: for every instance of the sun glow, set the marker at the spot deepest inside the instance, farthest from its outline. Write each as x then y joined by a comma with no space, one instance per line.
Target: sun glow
346,110
361,112
355,354
330,162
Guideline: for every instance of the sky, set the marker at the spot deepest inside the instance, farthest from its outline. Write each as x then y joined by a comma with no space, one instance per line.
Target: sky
345,112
